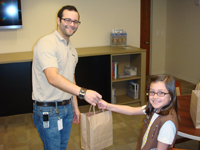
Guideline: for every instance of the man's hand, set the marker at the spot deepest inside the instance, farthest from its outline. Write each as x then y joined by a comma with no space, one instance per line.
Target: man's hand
76,116
92,97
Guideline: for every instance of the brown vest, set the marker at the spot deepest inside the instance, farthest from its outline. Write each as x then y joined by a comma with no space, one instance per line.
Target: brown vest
152,141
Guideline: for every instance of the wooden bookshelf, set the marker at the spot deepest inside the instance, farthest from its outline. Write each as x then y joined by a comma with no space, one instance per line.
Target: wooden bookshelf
136,59
93,71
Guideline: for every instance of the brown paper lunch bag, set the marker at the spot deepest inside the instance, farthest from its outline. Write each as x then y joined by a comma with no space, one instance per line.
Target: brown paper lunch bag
96,130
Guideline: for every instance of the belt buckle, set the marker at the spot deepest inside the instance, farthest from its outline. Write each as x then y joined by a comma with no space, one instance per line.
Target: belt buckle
63,103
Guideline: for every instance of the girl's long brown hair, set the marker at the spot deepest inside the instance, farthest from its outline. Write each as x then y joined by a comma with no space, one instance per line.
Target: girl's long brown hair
171,87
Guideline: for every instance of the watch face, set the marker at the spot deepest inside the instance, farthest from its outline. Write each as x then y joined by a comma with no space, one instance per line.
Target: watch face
82,93
81,96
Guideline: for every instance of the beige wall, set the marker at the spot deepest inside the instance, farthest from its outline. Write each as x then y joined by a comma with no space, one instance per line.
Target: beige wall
175,30
177,51
98,19
183,40
158,36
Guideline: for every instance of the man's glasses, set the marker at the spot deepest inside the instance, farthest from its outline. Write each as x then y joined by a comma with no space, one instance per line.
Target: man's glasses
160,94
69,21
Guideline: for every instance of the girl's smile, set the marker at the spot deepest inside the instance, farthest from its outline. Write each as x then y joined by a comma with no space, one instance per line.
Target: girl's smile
158,95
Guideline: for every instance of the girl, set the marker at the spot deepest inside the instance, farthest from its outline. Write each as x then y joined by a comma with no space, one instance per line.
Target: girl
161,122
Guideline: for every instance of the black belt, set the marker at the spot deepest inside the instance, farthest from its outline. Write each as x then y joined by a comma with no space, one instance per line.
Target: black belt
46,104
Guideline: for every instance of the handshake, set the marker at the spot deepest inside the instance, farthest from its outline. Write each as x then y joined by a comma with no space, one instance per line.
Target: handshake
94,98
102,104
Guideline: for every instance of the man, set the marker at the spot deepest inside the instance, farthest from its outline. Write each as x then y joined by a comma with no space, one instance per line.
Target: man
54,87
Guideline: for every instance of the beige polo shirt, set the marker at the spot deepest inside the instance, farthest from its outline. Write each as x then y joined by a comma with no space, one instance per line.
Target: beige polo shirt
52,51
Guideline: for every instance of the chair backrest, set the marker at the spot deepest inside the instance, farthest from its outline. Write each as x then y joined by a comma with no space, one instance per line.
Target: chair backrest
178,88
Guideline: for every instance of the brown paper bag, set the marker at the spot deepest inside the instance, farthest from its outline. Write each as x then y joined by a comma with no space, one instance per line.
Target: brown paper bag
195,106
96,130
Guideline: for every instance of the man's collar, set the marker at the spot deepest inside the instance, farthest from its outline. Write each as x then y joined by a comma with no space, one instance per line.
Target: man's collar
60,37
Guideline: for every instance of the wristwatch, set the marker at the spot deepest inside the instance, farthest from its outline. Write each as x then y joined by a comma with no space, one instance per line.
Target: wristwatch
82,92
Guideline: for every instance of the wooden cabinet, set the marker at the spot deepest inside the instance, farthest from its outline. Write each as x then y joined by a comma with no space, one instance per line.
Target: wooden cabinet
136,59
124,56
93,71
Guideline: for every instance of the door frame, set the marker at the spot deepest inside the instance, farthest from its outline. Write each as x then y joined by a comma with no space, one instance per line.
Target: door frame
145,30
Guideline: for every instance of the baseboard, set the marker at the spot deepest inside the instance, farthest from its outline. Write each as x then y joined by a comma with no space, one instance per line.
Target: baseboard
180,76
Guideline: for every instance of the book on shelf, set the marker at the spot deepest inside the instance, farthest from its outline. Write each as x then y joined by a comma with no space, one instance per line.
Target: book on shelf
114,95
114,70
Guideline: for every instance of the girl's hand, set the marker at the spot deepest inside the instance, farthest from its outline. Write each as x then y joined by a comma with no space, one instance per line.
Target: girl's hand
102,104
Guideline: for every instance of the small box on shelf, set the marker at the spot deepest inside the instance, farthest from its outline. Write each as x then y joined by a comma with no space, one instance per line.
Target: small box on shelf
118,37
130,70
133,90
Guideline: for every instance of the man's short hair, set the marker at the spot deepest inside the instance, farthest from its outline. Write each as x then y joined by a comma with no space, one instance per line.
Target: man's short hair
68,7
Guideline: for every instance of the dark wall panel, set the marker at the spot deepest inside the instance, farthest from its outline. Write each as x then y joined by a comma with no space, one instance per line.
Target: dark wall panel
15,88
16,85
94,73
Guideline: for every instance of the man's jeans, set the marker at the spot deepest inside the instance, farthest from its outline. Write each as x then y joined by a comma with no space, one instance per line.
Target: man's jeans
51,137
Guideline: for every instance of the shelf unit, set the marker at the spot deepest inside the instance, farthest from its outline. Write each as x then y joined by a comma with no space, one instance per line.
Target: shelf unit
94,66
136,59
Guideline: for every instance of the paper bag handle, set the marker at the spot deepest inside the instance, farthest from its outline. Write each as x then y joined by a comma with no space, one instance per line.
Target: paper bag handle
94,109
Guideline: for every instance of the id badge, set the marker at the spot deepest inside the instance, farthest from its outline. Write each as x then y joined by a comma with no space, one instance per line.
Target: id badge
60,124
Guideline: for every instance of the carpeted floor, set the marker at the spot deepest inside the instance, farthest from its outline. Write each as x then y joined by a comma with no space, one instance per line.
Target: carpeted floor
18,132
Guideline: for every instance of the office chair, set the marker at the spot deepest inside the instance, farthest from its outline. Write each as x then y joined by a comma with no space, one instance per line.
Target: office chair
178,88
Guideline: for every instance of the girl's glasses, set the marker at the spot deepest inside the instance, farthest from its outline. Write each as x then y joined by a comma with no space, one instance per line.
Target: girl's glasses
160,94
